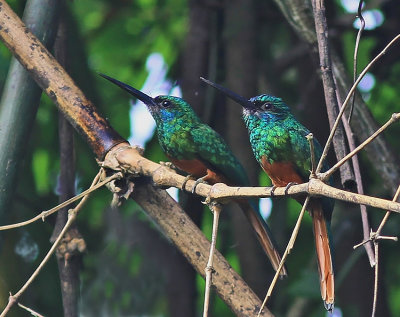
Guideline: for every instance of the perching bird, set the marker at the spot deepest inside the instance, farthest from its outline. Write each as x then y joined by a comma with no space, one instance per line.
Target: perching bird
195,148
280,146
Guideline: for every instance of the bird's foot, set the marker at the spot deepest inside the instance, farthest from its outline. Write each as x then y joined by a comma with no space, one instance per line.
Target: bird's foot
188,177
273,191
198,181
288,186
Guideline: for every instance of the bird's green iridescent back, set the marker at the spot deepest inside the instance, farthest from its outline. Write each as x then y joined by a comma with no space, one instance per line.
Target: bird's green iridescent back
183,136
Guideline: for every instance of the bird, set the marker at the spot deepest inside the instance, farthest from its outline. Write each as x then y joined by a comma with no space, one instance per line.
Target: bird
195,148
279,144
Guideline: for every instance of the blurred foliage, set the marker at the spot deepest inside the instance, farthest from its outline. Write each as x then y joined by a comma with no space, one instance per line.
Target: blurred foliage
123,274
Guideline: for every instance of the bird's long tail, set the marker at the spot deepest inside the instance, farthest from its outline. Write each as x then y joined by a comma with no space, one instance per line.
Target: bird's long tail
324,255
263,234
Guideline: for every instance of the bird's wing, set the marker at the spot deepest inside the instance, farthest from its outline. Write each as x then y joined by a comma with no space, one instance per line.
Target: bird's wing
300,149
302,158
215,153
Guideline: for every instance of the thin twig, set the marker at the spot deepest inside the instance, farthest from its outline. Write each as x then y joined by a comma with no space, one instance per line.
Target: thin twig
385,218
33,313
346,101
216,209
310,139
376,278
360,189
375,237
359,15
285,254
51,211
328,173
359,184
71,218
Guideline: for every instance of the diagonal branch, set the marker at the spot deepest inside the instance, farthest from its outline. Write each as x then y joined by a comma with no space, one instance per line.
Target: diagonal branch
289,248
330,93
188,238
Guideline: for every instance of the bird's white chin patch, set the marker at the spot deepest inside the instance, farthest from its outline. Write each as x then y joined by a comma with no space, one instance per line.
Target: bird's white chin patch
246,112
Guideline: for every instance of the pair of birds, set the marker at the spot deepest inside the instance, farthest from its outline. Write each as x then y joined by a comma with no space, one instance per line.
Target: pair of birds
279,144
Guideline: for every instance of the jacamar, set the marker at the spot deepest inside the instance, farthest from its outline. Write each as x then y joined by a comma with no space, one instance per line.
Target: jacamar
280,146
195,148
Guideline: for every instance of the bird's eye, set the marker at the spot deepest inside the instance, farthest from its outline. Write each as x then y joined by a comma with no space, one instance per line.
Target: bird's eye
165,103
267,106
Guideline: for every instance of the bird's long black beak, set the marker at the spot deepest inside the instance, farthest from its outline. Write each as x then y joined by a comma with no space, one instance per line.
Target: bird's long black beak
133,91
234,96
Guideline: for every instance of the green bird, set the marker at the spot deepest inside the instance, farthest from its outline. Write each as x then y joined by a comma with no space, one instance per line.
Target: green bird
198,150
280,146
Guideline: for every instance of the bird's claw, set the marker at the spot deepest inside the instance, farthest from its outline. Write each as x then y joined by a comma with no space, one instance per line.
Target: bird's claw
198,181
187,177
273,191
288,186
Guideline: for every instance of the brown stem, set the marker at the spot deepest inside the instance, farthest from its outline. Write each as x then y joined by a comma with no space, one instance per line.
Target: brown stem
393,118
216,209
187,237
384,220
339,143
360,188
362,21
69,252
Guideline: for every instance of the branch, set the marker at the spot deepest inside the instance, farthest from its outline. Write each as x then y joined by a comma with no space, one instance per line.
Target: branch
393,118
127,159
339,143
69,252
289,248
51,211
216,210
362,27
72,214
188,238
360,189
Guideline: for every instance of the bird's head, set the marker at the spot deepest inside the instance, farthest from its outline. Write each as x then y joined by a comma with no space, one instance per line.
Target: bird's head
162,108
267,106
262,106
